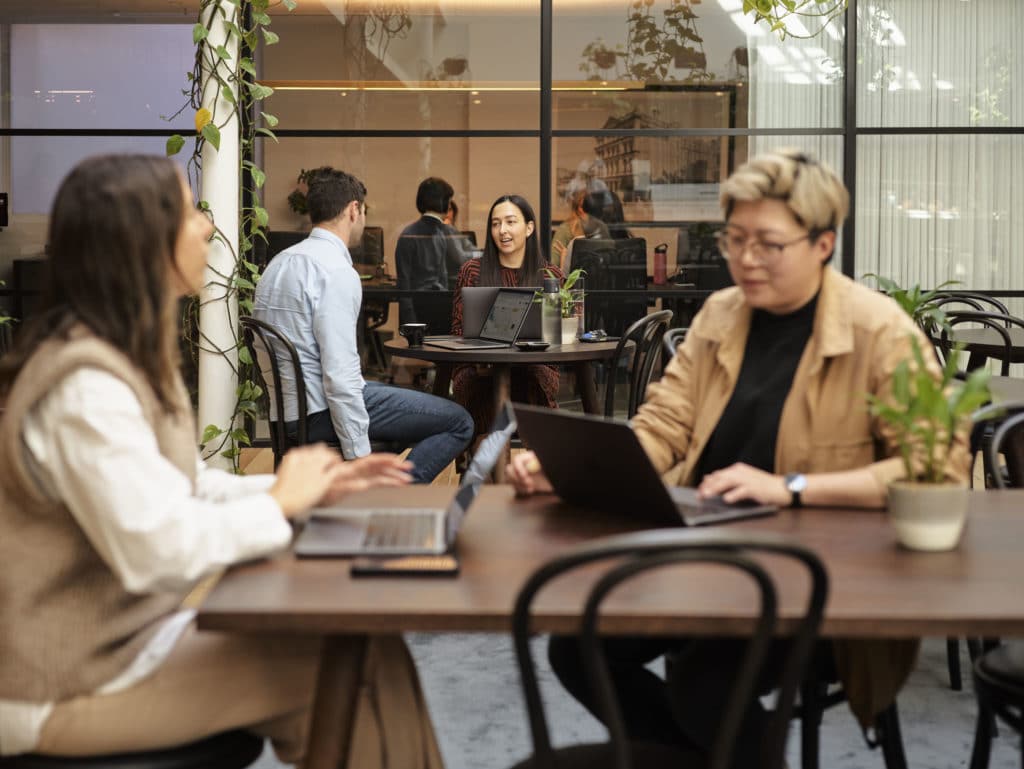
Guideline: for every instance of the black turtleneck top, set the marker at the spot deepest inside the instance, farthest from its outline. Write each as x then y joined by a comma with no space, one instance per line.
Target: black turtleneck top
749,426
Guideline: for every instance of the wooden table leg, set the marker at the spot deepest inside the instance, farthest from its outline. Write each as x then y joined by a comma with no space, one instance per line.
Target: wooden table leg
587,387
502,393
334,707
442,379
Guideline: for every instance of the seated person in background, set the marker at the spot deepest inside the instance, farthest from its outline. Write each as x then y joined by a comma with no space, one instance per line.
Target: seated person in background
428,251
765,400
110,517
511,258
579,224
311,293
607,206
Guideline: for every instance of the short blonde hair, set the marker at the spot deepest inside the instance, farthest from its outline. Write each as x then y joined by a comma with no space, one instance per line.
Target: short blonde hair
812,191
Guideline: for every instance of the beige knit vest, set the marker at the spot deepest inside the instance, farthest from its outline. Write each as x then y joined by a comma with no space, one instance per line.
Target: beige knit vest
67,625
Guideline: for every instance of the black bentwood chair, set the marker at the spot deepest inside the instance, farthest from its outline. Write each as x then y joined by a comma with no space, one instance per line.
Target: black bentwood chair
627,556
999,672
230,750
272,353
672,339
646,335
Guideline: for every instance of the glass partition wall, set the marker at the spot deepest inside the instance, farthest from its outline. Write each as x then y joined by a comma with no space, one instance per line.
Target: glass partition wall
646,105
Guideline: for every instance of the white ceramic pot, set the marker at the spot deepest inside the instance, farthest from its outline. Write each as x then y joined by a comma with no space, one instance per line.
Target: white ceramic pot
928,516
570,327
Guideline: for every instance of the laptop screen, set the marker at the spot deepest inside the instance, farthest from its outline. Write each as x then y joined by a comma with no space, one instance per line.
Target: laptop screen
506,315
485,458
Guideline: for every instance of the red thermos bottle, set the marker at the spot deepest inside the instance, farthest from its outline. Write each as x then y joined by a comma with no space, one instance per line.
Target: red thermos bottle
660,252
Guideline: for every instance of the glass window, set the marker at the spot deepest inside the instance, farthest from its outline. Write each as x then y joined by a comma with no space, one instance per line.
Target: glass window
459,68
952,63
941,207
479,169
99,75
661,58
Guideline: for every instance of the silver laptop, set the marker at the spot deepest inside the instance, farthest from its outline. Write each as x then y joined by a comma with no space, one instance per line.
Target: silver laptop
598,463
336,531
501,327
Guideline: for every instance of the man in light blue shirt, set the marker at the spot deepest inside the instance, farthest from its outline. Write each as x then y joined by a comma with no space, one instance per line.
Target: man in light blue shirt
312,293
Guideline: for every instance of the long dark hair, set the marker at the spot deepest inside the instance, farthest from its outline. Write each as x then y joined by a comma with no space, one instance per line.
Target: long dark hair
112,233
533,263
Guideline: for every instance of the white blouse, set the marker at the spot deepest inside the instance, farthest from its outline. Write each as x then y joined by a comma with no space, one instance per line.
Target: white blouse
89,445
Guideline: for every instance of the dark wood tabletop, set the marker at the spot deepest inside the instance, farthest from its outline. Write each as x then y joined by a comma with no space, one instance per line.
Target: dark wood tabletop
556,353
986,342
878,589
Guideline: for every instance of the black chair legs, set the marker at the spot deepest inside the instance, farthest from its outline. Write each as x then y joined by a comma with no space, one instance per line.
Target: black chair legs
889,736
982,749
953,662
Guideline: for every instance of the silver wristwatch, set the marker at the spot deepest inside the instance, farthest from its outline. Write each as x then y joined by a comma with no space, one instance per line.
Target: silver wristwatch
795,484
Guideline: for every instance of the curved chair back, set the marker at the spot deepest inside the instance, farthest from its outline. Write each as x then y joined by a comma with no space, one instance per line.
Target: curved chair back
1008,441
269,350
646,335
634,554
970,300
672,339
999,323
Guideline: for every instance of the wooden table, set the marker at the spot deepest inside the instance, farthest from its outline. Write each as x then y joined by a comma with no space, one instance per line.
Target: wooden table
878,590
581,355
985,343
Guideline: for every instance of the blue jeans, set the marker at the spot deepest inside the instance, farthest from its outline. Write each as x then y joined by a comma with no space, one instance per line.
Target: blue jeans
440,428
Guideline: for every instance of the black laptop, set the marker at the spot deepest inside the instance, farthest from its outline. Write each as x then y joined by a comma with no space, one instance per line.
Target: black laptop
501,327
598,463
337,531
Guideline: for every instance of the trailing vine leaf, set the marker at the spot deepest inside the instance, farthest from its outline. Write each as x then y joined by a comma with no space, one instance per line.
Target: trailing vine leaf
203,118
199,33
211,133
174,144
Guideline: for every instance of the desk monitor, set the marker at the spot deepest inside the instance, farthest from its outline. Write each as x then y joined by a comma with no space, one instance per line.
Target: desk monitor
370,252
279,240
698,259
612,264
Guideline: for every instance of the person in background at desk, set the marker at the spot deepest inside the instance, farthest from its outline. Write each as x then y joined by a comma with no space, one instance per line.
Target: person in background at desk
511,258
582,222
311,293
110,517
765,400
428,251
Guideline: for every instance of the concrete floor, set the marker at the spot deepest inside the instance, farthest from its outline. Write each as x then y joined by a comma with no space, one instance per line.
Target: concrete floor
472,686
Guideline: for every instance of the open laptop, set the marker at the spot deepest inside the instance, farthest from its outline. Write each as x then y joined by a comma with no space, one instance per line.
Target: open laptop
500,328
476,304
599,463
336,531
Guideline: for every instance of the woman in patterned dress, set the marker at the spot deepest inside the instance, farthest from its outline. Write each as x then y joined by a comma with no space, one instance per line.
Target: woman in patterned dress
511,258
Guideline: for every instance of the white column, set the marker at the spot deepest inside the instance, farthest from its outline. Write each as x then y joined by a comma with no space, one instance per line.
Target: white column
218,314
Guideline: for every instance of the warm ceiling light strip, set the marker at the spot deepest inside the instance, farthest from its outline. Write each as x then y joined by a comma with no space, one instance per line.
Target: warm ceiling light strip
443,85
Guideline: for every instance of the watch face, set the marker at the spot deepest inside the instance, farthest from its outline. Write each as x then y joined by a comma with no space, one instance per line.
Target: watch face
796,482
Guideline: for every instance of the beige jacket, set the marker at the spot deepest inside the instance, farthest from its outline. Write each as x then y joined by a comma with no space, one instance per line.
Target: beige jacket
858,339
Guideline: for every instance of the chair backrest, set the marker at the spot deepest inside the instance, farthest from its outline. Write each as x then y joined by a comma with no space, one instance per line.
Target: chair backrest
673,338
969,300
633,554
999,323
270,350
1009,442
646,335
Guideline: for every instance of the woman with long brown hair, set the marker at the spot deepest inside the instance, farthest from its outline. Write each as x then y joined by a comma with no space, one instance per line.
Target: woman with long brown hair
511,258
109,515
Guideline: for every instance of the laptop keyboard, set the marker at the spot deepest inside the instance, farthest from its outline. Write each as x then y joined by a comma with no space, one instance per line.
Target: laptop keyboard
400,529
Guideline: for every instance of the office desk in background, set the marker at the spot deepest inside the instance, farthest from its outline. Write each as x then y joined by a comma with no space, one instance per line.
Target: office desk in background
878,590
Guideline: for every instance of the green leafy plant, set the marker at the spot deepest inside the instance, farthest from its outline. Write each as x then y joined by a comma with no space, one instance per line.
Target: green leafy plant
297,197
216,70
916,302
926,414
776,13
566,298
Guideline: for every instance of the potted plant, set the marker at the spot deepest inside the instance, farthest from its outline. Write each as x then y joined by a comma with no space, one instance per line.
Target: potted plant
925,414
916,302
570,303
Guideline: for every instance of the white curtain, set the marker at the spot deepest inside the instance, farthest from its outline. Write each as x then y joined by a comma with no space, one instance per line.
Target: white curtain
941,207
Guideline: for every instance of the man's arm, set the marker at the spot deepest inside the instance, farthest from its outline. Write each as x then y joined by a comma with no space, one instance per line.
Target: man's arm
335,324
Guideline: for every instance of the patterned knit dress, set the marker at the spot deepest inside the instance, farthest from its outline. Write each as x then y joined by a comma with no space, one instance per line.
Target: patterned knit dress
473,386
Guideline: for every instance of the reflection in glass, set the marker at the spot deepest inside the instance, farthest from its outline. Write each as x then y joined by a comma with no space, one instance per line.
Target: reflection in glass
941,207
403,65
959,64
657,58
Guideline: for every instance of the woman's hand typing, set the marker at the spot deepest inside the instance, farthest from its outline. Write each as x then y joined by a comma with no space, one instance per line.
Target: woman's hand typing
524,472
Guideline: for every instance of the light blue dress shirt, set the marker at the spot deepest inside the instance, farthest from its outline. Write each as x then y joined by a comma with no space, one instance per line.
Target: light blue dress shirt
312,294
